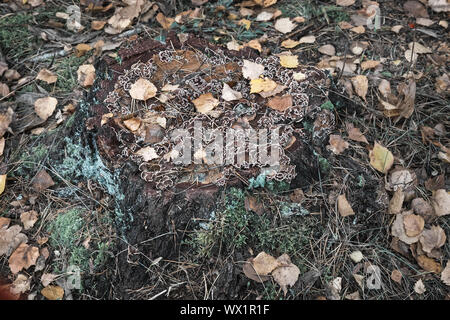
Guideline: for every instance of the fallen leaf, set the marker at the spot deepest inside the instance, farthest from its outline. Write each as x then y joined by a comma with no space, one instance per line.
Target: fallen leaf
345,3
344,207
385,88
245,23
415,9
81,49
205,103
44,107
280,103
356,256
42,181
252,70
432,238
413,224
48,278
29,218
5,120
123,17
23,257
264,263
439,5
229,94
265,85
308,39
10,239
435,183
4,89
132,124
250,272
396,203
2,182
47,76
53,292
396,28
147,153
142,90
264,16
265,3
287,274
284,25
424,22
289,43
86,75
369,64
97,25
441,202
289,61
358,30
418,48
355,134
21,284
234,45
353,296
398,230
11,75
429,264
396,276
254,44
419,287
381,158
445,275
422,207
327,49
335,287
361,85
337,144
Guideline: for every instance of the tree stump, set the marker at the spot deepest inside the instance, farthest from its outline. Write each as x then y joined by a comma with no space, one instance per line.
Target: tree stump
181,83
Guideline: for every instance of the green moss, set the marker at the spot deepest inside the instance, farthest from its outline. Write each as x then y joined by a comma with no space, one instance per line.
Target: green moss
66,70
15,39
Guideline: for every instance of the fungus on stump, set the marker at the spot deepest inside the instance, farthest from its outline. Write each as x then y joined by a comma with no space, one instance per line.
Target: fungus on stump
157,99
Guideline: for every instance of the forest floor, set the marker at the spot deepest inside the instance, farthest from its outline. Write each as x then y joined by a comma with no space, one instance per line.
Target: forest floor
374,222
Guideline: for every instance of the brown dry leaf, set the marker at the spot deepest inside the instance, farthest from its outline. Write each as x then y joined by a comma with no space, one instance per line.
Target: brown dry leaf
259,85
278,89
344,207
355,134
369,64
361,85
381,158
396,203
398,230
29,218
254,44
419,287
164,21
5,120
47,76
289,43
415,8
252,204
441,202
432,238
11,75
2,147
308,39
142,90
422,207
284,25
86,75
335,287
147,153
250,272
265,3
443,84
418,48
264,263
24,256
413,225
337,144
429,264
287,274
4,222
97,25
10,239
4,90
289,61
205,103
44,107
424,22
435,183
396,276
280,103
132,124
327,49
124,16
229,94
53,292
42,181
81,49
358,30
345,3
445,275
396,28
252,70
385,88
234,45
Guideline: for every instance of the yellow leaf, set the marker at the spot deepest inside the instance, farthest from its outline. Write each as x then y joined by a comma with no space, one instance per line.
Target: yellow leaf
265,85
289,61
2,182
245,22
53,292
254,44
381,158
289,43
205,103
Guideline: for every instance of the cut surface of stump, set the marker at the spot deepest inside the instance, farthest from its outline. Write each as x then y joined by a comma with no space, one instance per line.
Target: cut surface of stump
192,93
